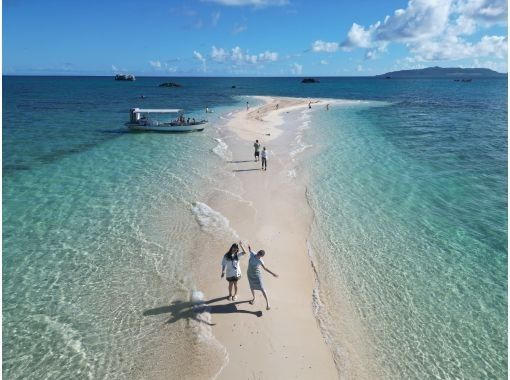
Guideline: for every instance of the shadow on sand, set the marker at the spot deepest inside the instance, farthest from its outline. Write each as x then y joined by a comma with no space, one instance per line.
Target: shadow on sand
241,161
191,310
245,170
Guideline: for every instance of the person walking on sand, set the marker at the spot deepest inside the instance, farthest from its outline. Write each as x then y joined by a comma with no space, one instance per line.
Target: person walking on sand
256,145
264,159
230,263
255,277
247,106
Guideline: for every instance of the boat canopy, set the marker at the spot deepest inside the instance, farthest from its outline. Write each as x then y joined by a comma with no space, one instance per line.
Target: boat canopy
156,110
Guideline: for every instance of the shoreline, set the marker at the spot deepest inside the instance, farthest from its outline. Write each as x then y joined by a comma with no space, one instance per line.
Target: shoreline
285,342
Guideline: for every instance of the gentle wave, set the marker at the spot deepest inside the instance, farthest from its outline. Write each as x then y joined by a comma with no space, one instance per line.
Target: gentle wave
201,325
300,146
222,151
213,222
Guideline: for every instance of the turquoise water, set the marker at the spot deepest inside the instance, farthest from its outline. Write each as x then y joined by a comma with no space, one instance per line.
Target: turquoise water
411,211
410,202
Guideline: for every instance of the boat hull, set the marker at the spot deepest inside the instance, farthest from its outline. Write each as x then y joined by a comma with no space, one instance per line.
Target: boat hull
166,128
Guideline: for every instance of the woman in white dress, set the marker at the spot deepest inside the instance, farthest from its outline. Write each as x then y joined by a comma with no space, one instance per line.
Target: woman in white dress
230,264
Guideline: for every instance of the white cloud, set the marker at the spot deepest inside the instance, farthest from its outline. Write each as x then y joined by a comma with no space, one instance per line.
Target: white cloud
359,68
501,67
421,19
114,68
453,48
219,55
322,46
359,37
324,62
199,57
215,18
239,29
485,11
370,54
238,57
433,30
296,69
268,56
155,64
237,54
255,3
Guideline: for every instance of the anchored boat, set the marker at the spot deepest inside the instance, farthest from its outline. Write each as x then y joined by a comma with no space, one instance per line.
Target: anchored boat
127,77
152,120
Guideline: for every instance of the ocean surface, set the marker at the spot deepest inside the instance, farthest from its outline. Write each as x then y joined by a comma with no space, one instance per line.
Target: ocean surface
408,189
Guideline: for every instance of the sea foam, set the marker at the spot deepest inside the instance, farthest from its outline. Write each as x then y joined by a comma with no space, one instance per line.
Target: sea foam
222,151
201,324
213,222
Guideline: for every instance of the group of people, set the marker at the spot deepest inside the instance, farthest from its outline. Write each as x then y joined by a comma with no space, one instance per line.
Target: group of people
259,154
183,121
230,267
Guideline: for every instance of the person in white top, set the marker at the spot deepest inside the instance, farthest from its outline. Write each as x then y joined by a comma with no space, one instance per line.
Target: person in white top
264,158
230,263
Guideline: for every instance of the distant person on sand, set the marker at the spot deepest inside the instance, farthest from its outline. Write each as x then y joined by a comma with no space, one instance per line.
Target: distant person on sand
255,277
264,159
309,105
230,263
256,145
247,106
277,106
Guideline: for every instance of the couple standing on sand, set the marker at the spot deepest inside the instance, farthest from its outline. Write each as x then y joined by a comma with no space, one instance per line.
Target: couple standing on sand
256,145
230,263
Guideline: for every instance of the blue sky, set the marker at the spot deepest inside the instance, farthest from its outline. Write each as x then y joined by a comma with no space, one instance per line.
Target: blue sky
251,37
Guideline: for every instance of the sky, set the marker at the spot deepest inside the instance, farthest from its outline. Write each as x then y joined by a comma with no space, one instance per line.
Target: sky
251,37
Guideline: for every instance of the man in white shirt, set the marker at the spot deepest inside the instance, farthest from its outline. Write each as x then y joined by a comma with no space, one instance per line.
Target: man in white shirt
264,158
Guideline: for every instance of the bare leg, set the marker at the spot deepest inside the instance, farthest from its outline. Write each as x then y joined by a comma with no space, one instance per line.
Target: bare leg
229,290
268,306
235,291
253,299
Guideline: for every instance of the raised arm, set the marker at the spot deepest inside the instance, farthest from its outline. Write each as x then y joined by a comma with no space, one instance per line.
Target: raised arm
242,248
267,269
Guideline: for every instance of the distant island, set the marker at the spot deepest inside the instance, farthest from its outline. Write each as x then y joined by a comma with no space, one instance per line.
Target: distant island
443,72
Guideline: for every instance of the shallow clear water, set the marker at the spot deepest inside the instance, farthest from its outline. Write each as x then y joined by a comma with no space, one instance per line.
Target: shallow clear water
409,196
411,211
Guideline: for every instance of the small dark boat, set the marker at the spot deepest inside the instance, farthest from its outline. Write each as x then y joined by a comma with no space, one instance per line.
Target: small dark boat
170,84
125,77
309,80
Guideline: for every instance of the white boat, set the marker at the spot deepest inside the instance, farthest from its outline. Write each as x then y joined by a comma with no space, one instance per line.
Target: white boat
149,119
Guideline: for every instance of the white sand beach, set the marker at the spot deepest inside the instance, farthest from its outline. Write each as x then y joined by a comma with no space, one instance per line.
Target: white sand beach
285,342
